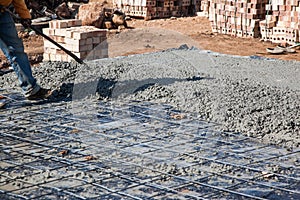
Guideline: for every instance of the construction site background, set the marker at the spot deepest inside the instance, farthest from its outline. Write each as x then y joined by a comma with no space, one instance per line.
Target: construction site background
274,21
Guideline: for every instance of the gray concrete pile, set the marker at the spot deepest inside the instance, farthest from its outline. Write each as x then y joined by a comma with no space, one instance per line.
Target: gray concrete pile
255,96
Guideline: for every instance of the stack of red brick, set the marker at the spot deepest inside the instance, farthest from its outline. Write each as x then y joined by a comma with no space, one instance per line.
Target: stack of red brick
281,22
236,17
86,42
151,9
273,20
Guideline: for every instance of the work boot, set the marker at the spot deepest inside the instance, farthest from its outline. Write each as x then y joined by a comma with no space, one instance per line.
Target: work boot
41,94
3,101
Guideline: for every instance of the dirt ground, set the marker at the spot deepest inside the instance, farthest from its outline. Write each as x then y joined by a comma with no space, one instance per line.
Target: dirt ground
197,28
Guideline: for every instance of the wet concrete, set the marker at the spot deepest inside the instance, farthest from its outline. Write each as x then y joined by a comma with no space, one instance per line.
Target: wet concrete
134,150
255,96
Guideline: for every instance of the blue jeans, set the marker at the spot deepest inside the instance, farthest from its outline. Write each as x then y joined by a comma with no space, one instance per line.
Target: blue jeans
13,49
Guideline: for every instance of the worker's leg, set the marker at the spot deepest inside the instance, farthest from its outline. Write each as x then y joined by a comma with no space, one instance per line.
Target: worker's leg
12,47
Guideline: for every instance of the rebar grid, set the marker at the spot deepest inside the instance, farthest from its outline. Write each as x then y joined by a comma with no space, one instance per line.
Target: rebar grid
134,150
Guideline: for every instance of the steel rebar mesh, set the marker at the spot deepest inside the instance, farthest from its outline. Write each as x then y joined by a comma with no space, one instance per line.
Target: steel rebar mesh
134,150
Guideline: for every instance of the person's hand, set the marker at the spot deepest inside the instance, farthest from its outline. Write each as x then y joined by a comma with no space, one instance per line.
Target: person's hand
26,23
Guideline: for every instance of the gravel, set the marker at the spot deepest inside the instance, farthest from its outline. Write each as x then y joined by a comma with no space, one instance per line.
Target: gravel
256,96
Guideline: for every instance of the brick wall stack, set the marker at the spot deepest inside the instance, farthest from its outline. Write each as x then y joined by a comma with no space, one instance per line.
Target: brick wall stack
86,42
281,24
272,20
237,17
151,9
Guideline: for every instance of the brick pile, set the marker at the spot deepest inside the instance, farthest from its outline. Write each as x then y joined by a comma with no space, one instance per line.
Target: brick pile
86,42
151,9
281,23
272,20
236,17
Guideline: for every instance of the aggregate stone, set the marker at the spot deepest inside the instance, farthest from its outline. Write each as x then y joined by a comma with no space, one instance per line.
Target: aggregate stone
255,96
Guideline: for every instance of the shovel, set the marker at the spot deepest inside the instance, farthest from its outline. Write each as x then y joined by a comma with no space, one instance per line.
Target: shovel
289,49
80,61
